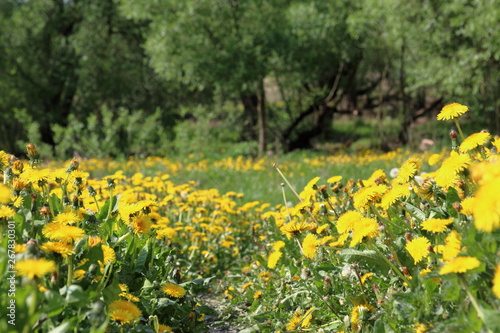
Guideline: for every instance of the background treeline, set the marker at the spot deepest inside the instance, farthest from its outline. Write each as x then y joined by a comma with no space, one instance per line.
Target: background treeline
118,77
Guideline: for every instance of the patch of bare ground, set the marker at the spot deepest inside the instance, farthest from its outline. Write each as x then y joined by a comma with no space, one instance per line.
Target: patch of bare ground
224,320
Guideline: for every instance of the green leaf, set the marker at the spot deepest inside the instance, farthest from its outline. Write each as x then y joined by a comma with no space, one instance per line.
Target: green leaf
74,294
104,209
415,211
379,326
367,257
142,258
451,198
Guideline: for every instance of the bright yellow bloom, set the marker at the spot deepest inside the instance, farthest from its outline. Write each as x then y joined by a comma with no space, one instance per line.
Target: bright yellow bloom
496,282
166,232
486,210
273,258
124,312
368,195
433,159
468,205
420,328
347,221
452,111
66,218
418,248
408,170
436,225
62,232
257,294
356,312
395,193
278,245
366,227
4,194
452,247
6,212
447,174
334,179
294,228
459,265
310,246
141,224
365,277
474,140
63,249
109,255
35,268
164,329
174,290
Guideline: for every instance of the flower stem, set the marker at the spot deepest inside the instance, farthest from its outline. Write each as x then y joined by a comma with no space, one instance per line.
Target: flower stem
70,270
474,302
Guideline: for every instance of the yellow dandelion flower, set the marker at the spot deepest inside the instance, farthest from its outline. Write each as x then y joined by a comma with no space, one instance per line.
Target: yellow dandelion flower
166,232
394,194
420,328
278,245
340,240
496,282
64,249
273,258
418,248
306,319
295,228
4,194
20,248
246,285
357,313
334,179
377,177
436,225
310,246
459,265
486,210
368,195
66,218
257,294
294,322
447,174
473,141
365,277
164,329
174,290
468,205
94,240
408,170
141,224
4,160
452,247
452,111
62,232
366,227
35,268
109,255
124,312
6,212
347,221
433,159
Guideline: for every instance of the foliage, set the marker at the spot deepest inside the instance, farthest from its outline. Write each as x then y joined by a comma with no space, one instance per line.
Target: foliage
415,249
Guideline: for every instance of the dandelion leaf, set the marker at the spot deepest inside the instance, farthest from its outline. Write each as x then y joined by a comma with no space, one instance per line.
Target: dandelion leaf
366,257
415,211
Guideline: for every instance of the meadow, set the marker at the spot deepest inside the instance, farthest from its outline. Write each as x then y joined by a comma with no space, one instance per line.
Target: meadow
367,242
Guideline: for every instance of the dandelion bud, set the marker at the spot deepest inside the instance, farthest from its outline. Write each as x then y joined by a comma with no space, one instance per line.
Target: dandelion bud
12,159
408,236
31,149
457,206
73,165
92,191
405,271
18,184
430,248
53,277
44,210
111,183
18,166
453,134
327,280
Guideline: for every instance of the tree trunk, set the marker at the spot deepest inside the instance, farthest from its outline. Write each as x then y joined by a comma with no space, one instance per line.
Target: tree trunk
261,120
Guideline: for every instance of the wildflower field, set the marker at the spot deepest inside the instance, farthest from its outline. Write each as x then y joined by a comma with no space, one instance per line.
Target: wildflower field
394,242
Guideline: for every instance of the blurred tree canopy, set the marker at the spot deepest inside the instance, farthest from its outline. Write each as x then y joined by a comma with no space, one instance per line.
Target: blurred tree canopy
286,66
